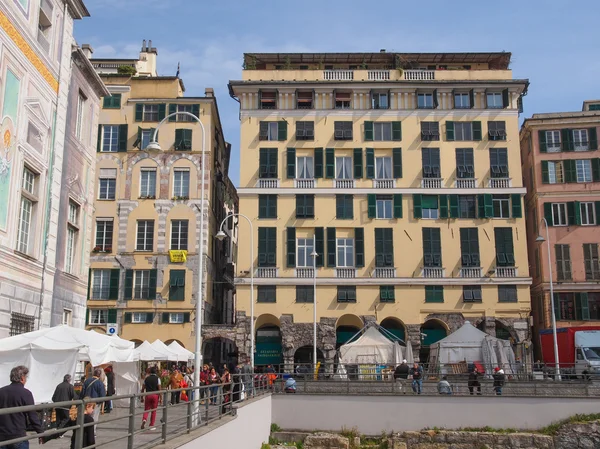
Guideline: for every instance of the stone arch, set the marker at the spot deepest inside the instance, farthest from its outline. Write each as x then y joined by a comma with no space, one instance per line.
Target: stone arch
266,319
346,328
349,320
132,186
109,157
432,330
304,355
395,326
505,326
268,340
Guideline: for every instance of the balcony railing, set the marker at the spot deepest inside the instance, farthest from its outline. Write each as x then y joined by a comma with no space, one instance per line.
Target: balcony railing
419,75
431,183
466,183
384,183
378,75
266,272
338,75
41,38
553,148
385,272
305,183
499,183
506,272
433,272
581,146
305,273
268,183
345,273
343,183
470,272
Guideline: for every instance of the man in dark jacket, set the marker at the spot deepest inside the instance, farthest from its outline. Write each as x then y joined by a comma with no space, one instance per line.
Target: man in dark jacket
401,371
64,392
474,382
93,387
110,388
14,425
498,380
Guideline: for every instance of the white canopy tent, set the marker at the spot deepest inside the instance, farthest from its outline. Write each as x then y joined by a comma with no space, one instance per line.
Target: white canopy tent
149,353
168,354
181,351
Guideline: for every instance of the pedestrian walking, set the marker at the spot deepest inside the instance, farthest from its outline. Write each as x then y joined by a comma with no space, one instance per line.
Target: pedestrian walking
237,384
213,380
401,374
498,380
89,437
175,383
248,379
417,378
14,425
226,381
110,388
474,382
93,387
63,392
203,383
444,386
151,401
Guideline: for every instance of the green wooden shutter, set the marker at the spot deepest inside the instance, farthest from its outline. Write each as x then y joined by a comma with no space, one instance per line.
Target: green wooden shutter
262,206
396,131
597,206
320,246
187,139
593,138
162,111
359,243
449,130
435,99
329,163
370,163
453,206
150,315
379,247
331,247
107,102
417,208
488,205
505,101
570,170
516,205
112,316
368,131
186,317
556,303
89,283
139,112
291,247
471,99
596,169
114,284
371,205
123,129
282,130
567,139
477,135
152,285
318,163
481,206
165,318
542,141
398,205
99,139
577,205
443,205
178,139
196,110
291,163
127,317
545,173
172,110
397,162
548,213
262,247
571,217
128,291
358,163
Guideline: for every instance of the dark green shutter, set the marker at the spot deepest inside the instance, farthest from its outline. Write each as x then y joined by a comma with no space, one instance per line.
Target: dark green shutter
127,318
186,317
597,205
150,315
443,201
318,163
368,131
582,310
359,243
516,205
178,139
545,173
358,163
453,206
371,205
331,247
187,139
476,130
567,139
577,213
449,130
291,247
282,130
471,99
122,138
593,138
542,141
435,99
396,131
172,110
107,102
398,205
89,284
548,213
165,317
596,169
417,208
176,285
291,163
152,286
99,140
112,316
370,163
556,303
139,112
571,218
262,206
128,291
162,111
489,205
114,284
320,246
329,163
196,110
397,162
570,170
505,101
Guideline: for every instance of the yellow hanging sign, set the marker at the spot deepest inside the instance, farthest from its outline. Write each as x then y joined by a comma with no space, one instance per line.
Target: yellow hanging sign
178,255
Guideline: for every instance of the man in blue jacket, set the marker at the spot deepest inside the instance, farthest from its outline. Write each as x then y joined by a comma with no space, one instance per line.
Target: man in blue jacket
93,387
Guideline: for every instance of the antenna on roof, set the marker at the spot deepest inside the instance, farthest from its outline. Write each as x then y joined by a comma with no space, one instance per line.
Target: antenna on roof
177,74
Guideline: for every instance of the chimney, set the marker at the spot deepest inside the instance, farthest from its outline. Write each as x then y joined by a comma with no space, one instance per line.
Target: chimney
209,92
87,50
144,45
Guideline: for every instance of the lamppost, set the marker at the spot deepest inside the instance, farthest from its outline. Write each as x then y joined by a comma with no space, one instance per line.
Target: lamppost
221,235
541,239
154,146
314,257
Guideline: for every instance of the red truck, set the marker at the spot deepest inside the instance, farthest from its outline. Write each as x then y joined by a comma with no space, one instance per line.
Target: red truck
578,350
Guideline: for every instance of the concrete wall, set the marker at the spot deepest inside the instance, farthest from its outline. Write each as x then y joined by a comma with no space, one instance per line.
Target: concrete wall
374,414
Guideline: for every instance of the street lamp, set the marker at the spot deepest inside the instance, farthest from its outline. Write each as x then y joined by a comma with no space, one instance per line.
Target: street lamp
541,239
221,235
154,146
314,256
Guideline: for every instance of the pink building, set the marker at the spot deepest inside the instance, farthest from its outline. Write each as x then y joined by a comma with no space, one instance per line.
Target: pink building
561,170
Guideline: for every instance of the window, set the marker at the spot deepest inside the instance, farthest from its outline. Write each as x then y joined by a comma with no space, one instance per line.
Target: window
67,317
101,284
494,100
462,100
590,257
499,162
181,183
387,293
563,262
267,100
559,214
384,247
27,210
304,167
304,99
472,293
191,108
104,234
107,184
580,140
304,249
72,234
266,293
148,183
346,293
342,100
98,316
267,247
594,299
269,131
431,162
112,102
382,131
434,293
469,247
465,168
146,136
305,130
110,138
268,163
267,206
553,143
73,213
384,207
145,235
150,113
429,207
584,170
344,207
141,289
345,253
379,100
343,168
467,206
179,234
176,318
505,253
463,131
425,101
21,323
176,285
588,214
305,206
142,317
305,293
432,247
497,130
430,131
507,293
342,130
183,139
383,168
79,126
501,205
555,172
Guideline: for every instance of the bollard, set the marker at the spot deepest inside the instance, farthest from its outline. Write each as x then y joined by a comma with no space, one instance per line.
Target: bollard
164,418
131,430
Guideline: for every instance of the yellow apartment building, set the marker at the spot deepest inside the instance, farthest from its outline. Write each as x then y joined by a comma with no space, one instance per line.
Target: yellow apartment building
402,172
144,279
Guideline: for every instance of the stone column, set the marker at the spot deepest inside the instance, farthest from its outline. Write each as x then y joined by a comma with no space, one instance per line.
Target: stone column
413,334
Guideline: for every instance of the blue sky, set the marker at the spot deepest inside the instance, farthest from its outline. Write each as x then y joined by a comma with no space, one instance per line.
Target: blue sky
554,45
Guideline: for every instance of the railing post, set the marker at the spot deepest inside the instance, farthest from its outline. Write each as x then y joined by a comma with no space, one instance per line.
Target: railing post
220,399
164,417
190,411
131,430
207,400
80,421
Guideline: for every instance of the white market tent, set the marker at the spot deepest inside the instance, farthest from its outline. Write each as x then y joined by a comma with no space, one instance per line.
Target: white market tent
53,352
149,353
167,353
181,351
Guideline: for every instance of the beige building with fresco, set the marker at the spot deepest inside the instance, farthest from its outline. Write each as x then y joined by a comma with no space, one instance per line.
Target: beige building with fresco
402,172
144,277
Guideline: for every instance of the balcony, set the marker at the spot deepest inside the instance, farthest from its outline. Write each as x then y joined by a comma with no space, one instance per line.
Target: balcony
433,272
41,38
345,273
466,183
419,75
266,272
305,183
344,183
431,183
385,272
338,75
506,272
500,183
378,75
470,272
384,183
267,183
305,273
